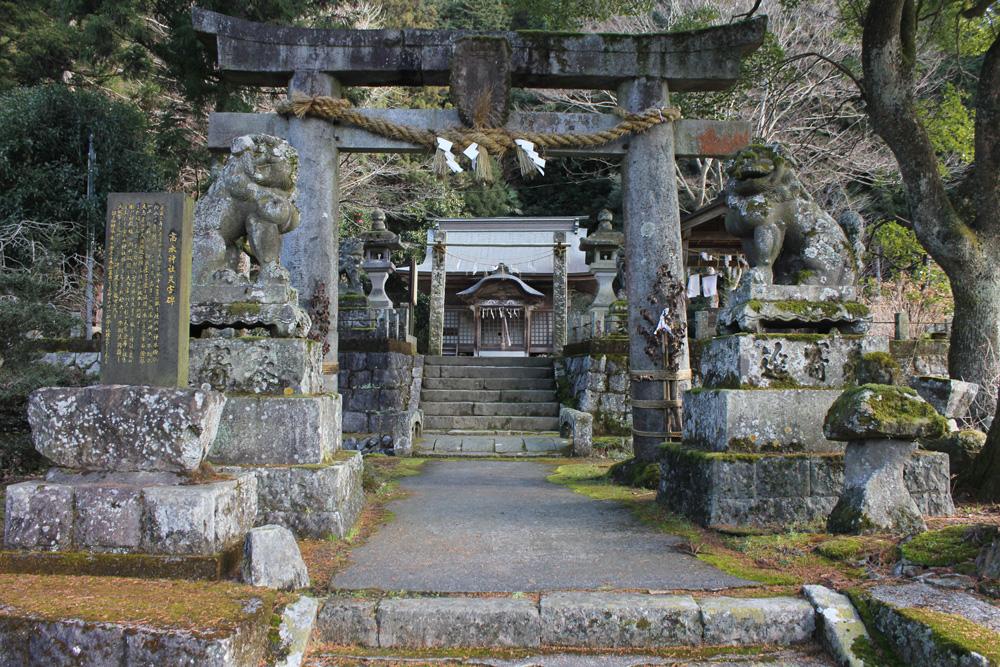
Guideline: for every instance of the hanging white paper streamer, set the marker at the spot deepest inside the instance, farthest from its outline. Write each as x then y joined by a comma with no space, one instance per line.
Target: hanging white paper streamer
664,324
705,256
445,147
694,288
472,152
709,284
529,150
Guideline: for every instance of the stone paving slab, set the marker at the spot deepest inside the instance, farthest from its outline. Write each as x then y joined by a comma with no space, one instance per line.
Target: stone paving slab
500,526
566,619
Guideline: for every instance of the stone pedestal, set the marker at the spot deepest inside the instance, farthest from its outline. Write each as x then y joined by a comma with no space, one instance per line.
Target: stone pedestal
881,424
754,450
281,430
875,499
128,484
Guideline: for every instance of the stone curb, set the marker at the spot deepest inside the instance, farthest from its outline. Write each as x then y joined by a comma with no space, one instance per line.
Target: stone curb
566,619
839,624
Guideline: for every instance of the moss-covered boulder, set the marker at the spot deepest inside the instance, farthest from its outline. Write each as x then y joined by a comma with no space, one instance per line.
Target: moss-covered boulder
879,412
879,368
962,448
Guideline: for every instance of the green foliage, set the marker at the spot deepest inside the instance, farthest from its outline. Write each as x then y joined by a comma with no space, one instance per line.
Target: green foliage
26,313
936,548
950,124
44,135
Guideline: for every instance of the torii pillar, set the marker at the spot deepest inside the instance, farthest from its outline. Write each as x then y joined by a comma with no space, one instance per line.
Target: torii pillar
655,257
311,254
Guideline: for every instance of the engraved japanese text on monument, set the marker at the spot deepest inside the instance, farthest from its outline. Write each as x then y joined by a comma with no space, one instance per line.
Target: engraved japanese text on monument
146,302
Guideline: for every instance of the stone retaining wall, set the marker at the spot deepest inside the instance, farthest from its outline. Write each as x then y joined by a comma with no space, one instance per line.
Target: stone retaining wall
722,489
597,383
381,392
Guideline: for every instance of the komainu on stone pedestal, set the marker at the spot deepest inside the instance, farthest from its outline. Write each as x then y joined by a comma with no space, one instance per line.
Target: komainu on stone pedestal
802,264
243,216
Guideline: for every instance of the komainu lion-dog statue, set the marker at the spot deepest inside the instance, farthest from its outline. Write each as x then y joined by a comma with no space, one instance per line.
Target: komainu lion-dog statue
247,209
787,238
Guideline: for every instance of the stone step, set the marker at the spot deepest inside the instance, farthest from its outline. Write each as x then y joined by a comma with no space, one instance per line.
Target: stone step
489,383
484,443
590,620
538,372
495,423
521,362
470,409
488,395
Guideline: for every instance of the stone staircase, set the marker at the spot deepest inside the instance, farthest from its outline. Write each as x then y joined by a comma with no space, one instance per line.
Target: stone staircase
489,405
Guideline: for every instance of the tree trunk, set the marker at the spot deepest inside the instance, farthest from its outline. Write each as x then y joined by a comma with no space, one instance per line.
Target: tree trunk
966,243
974,351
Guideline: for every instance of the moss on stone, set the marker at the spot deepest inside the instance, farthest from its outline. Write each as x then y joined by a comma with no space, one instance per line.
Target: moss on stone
956,634
874,650
241,308
936,548
145,566
851,548
203,608
878,368
888,411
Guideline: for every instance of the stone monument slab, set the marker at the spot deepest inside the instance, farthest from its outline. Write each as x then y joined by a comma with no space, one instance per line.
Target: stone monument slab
147,289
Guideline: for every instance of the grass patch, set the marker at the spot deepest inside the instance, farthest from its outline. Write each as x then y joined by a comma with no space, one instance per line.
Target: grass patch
947,546
381,476
854,548
203,608
788,559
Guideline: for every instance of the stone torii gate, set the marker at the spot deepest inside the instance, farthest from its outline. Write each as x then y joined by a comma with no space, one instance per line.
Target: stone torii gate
643,69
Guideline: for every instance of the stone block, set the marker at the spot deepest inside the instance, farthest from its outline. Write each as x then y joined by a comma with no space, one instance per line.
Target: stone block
108,517
951,398
198,519
742,621
257,365
458,622
348,621
605,620
297,622
76,644
961,447
311,501
355,422
875,497
579,428
271,559
262,430
758,420
38,515
840,625
876,411
777,491
781,360
124,427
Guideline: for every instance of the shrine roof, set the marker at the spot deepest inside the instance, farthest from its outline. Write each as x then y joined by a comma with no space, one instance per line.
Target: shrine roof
478,245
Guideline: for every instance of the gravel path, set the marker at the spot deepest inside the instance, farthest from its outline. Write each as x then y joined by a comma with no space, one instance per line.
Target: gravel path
494,526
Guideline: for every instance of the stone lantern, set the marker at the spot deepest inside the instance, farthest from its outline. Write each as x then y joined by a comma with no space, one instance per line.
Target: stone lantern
602,248
379,244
